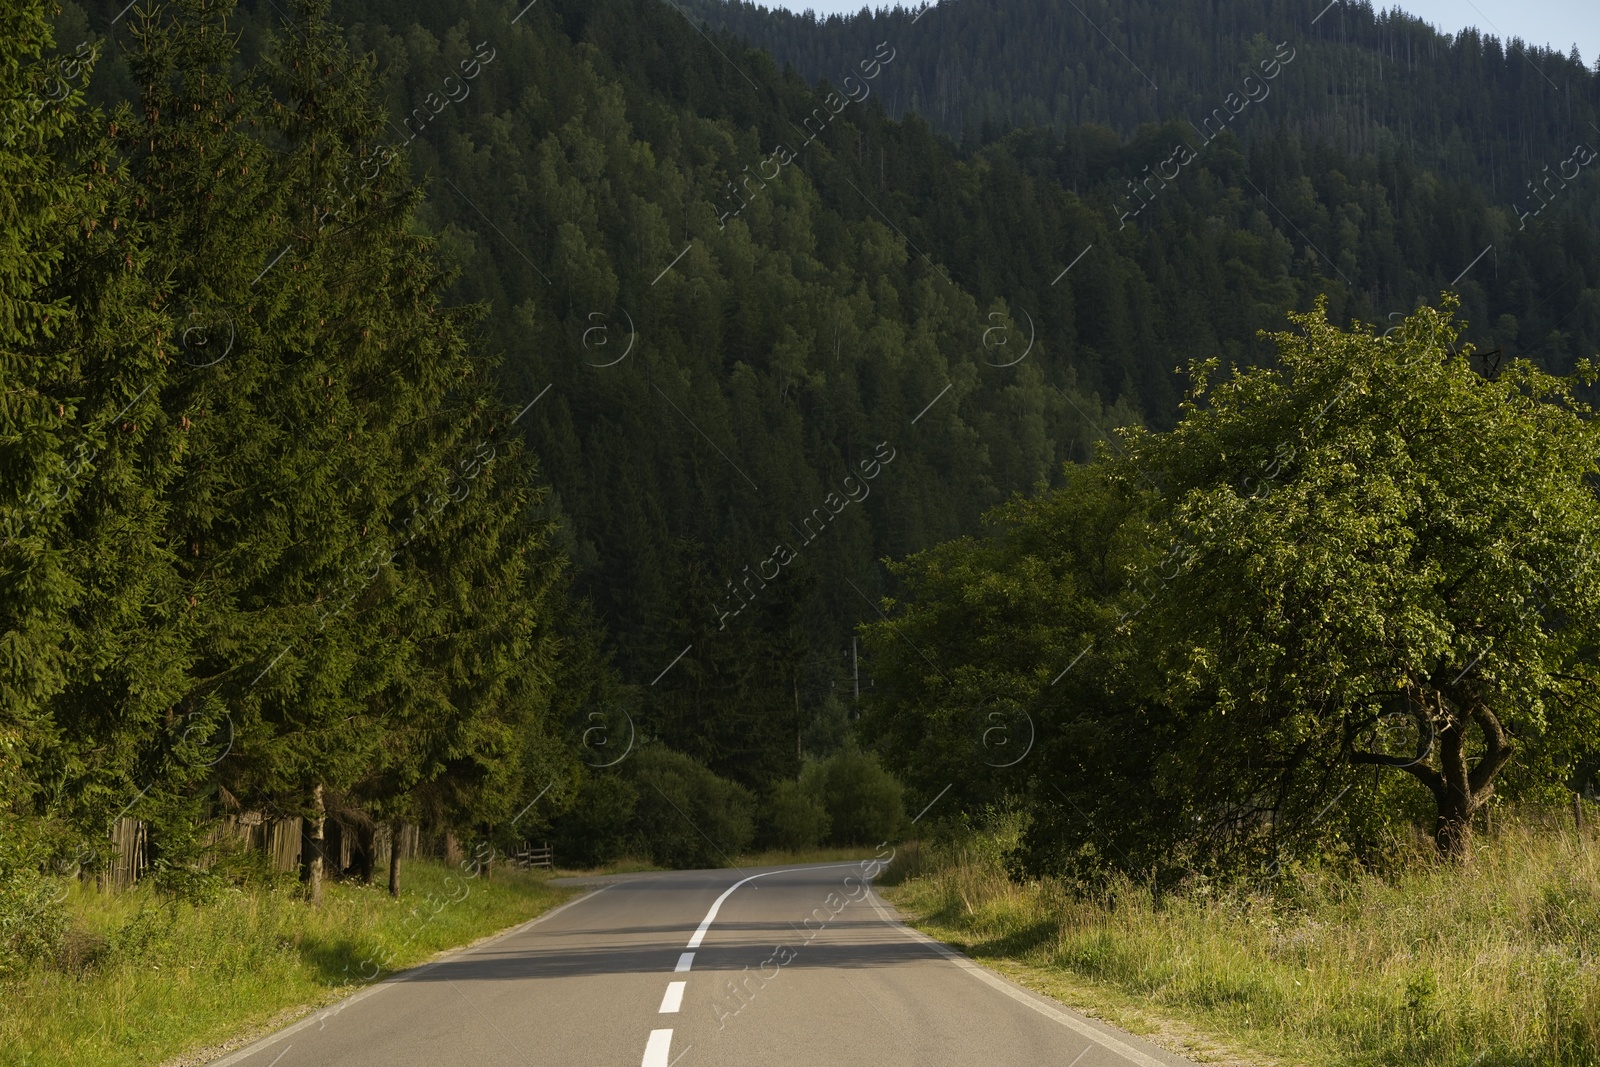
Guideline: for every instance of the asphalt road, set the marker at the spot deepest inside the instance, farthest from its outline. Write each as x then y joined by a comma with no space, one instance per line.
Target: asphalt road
770,966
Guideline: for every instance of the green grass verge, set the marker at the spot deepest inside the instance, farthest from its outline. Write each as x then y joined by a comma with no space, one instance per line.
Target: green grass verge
142,980
1494,963
623,865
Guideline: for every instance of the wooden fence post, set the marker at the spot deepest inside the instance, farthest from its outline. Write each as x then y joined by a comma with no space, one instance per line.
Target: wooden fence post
129,844
397,842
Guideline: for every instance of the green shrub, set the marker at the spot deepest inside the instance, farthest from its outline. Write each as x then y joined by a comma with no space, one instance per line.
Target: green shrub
597,828
794,816
864,802
687,816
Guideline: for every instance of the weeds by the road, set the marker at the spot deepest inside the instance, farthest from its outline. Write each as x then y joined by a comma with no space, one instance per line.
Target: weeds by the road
1490,964
140,979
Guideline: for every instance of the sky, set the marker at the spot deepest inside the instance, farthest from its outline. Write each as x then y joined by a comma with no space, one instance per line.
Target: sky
1557,23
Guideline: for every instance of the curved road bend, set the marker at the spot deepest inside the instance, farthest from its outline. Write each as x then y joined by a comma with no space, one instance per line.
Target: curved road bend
777,967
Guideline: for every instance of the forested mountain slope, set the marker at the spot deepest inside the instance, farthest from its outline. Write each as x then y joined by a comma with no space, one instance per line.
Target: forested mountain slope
503,419
724,291
1468,105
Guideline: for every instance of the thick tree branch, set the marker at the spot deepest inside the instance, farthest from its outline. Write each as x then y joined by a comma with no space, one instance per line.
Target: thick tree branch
1453,761
1499,749
1423,773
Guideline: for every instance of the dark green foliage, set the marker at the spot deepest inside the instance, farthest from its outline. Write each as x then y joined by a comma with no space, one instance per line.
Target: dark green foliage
794,815
999,619
863,802
598,825
796,338
795,345
1369,570
1383,541
89,638
777,353
265,531
281,338
1367,78
685,815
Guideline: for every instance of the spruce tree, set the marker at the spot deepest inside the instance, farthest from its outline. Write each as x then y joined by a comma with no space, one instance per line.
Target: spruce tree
89,653
273,496
446,595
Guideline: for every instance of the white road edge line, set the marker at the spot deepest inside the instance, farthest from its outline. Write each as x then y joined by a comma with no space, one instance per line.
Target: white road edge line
685,961
705,924
672,999
404,976
1106,1041
658,1048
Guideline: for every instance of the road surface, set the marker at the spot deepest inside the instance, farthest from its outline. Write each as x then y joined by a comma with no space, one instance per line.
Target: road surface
777,967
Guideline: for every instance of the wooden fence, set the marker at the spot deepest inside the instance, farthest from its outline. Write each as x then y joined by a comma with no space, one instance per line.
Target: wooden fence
543,856
282,840
130,855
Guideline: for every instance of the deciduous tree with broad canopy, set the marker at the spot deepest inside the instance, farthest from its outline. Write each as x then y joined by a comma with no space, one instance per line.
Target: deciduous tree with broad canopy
1383,540
1370,554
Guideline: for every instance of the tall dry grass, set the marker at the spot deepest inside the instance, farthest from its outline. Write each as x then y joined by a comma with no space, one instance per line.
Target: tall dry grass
1492,963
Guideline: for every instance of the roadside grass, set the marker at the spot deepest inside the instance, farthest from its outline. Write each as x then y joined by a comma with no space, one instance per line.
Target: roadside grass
140,979
1494,963
621,865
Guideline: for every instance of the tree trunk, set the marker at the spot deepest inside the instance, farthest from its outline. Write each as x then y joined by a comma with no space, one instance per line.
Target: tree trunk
366,851
1452,831
1458,789
396,833
311,848
452,850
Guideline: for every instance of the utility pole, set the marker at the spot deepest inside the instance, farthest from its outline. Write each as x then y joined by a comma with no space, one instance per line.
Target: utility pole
855,669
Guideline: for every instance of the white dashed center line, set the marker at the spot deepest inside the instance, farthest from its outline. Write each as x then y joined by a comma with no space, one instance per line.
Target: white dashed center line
658,1048
673,1000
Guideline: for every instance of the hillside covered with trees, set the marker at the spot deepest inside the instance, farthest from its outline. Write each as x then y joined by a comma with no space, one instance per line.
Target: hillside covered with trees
668,431
499,417
605,141
1468,106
